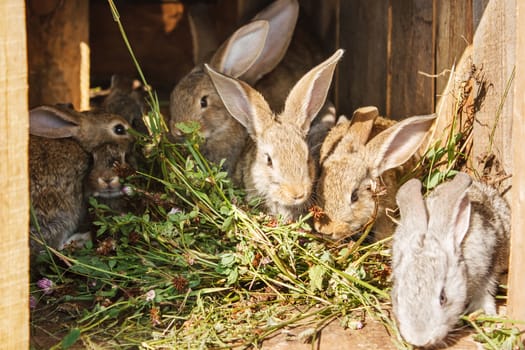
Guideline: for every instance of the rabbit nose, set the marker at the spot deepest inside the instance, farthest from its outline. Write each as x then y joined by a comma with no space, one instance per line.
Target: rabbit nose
299,196
109,182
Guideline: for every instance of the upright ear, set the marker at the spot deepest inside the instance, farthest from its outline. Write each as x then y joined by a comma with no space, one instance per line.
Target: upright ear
243,102
203,34
362,123
451,207
237,54
282,17
309,94
414,216
397,144
52,122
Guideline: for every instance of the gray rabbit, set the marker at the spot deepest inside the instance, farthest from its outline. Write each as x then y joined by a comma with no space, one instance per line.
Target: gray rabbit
63,146
449,250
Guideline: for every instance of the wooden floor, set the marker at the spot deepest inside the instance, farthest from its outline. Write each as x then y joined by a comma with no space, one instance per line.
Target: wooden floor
371,337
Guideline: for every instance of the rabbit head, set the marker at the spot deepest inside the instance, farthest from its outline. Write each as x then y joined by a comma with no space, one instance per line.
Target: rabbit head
277,165
444,256
103,179
430,281
351,167
89,129
247,54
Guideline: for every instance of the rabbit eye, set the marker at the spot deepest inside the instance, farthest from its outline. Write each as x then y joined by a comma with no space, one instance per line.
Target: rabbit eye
269,160
442,297
354,196
204,101
119,129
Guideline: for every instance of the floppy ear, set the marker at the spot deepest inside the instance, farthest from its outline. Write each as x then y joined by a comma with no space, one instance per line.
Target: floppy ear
282,18
203,33
237,54
243,102
53,123
397,144
451,207
414,216
309,94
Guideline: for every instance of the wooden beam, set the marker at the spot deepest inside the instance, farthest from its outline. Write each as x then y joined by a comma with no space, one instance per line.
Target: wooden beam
516,297
14,198
362,72
411,51
58,52
454,31
494,58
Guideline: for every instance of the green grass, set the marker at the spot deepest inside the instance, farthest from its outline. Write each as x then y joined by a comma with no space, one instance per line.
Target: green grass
195,267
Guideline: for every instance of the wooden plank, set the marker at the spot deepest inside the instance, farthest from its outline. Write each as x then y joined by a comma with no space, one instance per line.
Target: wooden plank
58,55
494,57
516,297
411,50
14,198
363,70
454,31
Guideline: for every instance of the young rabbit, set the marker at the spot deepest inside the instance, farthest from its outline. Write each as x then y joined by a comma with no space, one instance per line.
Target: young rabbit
276,164
254,54
448,252
61,146
353,168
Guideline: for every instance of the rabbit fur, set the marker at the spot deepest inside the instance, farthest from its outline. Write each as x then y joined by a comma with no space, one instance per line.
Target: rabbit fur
276,164
449,250
127,98
63,146
258,54
355,168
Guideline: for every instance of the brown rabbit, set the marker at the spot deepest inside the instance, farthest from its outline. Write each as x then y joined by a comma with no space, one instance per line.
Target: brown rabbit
61,148
259,62
276,164
352,168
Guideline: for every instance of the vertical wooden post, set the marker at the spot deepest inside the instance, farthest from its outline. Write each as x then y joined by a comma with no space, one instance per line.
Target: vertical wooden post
516,297
411,51
494,55
362,72
454,31
58,37
14,198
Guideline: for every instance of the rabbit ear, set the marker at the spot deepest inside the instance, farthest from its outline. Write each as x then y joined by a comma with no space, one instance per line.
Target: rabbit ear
309,94
362,123
53,123
451,207
241,50
413,211
243,102
203,33
397,144
282,18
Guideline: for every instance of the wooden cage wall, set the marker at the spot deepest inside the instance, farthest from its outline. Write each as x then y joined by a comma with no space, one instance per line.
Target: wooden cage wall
388,45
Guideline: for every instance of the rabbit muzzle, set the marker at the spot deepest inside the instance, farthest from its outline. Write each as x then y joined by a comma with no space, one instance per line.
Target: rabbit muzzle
108,187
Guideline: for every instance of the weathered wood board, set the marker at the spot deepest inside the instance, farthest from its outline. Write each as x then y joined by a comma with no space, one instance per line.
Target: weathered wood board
14,197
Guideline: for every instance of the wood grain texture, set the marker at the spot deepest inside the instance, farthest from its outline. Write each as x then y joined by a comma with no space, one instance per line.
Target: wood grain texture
58,53
14,198
411,51
494,58
362,74
516,297
454,31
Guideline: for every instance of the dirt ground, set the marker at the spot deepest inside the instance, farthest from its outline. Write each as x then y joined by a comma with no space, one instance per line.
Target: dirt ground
373,336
